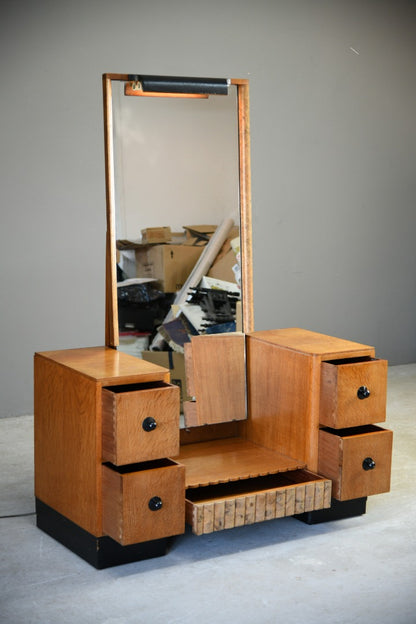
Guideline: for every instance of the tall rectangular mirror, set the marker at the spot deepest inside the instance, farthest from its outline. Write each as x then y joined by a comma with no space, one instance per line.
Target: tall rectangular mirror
178,216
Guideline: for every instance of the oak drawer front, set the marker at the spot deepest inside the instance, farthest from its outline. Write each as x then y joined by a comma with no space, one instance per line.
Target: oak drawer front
358,461
353,393
140,424
144,504
229,505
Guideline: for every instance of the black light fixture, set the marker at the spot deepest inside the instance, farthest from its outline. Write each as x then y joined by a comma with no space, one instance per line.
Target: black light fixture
175,86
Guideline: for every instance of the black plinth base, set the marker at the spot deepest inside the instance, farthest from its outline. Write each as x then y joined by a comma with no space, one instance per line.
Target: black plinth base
101,552
339,510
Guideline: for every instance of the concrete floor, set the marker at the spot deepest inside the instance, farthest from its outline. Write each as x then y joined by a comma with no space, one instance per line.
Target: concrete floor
350,571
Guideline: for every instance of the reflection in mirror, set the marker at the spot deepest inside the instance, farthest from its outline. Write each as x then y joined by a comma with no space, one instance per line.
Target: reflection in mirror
174,195
176,161
176,181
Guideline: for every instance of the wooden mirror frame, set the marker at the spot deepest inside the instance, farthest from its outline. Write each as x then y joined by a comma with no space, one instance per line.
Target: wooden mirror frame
111,307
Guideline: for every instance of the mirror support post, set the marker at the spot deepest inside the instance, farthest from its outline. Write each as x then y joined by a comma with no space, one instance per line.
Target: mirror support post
111,311
245,204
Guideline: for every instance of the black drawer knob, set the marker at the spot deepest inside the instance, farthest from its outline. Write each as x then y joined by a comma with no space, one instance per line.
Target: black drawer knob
369,463
363,392
149,424
155,503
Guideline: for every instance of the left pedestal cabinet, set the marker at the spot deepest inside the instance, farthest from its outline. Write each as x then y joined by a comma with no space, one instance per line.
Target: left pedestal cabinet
106,425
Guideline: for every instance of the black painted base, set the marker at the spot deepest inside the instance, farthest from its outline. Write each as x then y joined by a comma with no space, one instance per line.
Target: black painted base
339,510
101,552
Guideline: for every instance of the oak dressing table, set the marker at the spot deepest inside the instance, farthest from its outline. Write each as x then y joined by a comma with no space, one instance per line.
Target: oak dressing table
278,423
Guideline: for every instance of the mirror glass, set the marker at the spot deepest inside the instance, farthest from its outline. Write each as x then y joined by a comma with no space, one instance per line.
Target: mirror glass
176,168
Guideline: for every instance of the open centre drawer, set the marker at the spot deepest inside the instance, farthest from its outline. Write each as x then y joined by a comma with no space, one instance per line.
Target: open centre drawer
233,482
238,503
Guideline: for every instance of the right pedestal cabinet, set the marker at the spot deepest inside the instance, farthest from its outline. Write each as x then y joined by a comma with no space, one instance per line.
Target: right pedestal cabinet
317,398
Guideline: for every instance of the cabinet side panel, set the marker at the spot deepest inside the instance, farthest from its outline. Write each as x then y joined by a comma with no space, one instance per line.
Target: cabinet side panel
280,399
67,444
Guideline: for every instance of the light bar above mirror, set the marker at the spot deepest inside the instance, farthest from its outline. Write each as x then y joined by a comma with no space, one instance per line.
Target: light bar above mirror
175,86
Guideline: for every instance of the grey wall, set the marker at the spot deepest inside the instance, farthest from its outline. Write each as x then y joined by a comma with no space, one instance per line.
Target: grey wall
333,161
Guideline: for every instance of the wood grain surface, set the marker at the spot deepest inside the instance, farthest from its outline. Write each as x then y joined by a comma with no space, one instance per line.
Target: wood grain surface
231,459
219,377
108,366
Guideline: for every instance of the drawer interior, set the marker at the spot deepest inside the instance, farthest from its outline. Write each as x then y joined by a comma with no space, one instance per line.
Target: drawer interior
151,385
138,467
352,360
353,431
249,486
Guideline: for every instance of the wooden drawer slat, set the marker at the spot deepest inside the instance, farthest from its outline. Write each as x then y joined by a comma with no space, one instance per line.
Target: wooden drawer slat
281,504
240,511
270,509
219,516
260,513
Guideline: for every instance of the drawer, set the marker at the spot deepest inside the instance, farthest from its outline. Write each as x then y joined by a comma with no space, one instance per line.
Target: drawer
140,423
143,502
353,392
358,460
238,503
